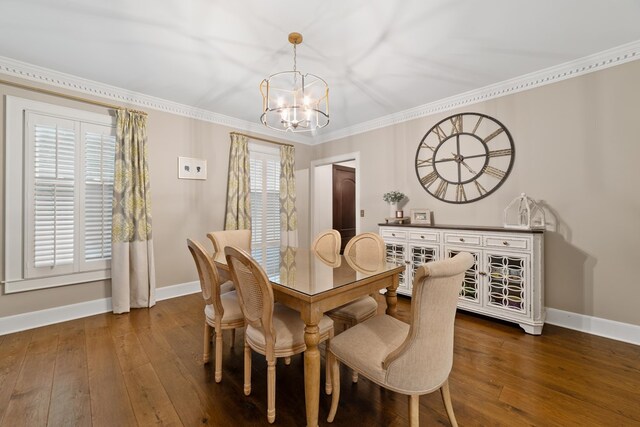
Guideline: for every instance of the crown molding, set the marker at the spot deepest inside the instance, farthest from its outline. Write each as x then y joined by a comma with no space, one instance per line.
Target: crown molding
588,64
34,73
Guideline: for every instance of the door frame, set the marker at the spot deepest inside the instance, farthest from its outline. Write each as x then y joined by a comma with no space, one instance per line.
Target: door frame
355,156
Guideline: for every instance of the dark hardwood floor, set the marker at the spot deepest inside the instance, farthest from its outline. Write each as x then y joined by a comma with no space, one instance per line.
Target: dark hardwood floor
145,368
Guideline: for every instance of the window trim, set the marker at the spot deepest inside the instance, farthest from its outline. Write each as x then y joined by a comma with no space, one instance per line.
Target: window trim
14,190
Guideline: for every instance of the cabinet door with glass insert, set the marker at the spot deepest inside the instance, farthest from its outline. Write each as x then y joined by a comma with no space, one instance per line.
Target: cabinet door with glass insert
421,254
508,276
471,289
396,252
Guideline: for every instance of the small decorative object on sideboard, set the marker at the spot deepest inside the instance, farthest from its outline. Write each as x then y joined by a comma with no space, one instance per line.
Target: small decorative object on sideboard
421,216
393,198
523,212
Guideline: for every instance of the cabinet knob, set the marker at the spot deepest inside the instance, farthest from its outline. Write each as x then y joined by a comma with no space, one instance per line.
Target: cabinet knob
407,262
505,243
482,273
422,237
393,234
461,239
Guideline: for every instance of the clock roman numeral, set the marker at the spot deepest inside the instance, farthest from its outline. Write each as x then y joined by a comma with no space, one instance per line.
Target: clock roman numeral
427,180
456,124
475,128
442,189
480,188
498,153
460,194
424,163
496,173
425,145
493,135
440,133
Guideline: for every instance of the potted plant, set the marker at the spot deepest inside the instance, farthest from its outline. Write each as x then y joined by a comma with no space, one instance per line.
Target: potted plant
393,198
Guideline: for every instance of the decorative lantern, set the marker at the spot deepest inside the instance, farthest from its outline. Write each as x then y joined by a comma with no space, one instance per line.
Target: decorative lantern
524,213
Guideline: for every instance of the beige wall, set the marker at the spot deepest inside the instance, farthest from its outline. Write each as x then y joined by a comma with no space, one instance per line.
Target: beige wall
577,149
180,208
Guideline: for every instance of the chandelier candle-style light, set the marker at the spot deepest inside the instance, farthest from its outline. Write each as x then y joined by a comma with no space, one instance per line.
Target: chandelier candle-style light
292,101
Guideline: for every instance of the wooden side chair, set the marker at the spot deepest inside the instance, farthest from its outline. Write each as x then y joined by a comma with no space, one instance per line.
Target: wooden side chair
363,251
273,330
411,359
222,310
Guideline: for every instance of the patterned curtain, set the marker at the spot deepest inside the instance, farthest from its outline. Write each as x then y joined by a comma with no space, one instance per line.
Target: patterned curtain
288,214
238,213
133,280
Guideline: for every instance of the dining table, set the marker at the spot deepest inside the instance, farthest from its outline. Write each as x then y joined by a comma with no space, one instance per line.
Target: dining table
314,284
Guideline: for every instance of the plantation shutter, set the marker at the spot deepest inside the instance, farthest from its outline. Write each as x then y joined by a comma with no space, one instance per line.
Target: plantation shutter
51,200
265,211
99,166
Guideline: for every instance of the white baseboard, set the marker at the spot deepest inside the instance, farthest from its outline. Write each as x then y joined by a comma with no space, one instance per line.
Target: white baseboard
35,319
588,324
173,291
594,325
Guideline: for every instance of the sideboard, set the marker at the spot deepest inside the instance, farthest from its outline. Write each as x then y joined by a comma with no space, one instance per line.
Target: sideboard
506,280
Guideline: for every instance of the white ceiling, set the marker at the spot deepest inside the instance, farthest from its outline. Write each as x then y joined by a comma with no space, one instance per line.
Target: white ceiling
378,56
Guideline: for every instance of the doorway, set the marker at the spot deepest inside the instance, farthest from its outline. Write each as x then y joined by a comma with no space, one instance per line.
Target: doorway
335,203
344,202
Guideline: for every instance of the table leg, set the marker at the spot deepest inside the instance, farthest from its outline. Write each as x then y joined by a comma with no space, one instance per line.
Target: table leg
392,296
312,374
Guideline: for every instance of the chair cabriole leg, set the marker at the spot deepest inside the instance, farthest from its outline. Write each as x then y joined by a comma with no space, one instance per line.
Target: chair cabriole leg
335,395
446,398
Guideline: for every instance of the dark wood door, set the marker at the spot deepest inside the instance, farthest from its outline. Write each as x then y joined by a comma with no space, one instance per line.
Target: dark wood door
344,202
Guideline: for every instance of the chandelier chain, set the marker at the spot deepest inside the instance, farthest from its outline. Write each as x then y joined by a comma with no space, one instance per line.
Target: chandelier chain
294,58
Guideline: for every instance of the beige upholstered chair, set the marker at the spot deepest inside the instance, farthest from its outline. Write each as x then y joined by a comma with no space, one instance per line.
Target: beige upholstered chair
272,329
222,309
411,359
326,246
236,238
363,252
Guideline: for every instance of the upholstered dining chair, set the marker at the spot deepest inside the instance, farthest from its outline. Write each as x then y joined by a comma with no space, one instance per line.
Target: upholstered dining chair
413,359
365,250
236,238
222,310
326,246
273,330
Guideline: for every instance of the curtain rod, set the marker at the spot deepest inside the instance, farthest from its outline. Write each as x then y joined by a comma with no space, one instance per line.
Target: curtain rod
64,95
261,139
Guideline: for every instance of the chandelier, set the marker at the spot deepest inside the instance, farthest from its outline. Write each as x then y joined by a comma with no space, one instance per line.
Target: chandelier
292,101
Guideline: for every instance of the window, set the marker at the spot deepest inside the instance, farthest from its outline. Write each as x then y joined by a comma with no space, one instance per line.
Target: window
59,190
265,207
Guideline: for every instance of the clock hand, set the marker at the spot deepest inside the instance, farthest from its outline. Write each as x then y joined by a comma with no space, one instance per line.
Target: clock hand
468,168
459,159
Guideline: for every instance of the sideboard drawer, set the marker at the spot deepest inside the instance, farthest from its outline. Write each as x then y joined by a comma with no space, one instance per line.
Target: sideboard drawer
424,237
394,234
462,239
506,242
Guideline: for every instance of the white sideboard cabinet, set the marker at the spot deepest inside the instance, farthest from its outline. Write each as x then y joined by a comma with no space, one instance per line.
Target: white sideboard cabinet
506,280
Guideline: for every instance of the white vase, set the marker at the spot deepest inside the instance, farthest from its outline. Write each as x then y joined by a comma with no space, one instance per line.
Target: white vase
393,207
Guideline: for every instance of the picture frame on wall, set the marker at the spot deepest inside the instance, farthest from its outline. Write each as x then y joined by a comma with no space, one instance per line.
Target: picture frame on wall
420,216
191,168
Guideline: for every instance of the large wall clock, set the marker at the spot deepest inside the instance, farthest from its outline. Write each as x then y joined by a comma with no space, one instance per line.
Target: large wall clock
464,158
